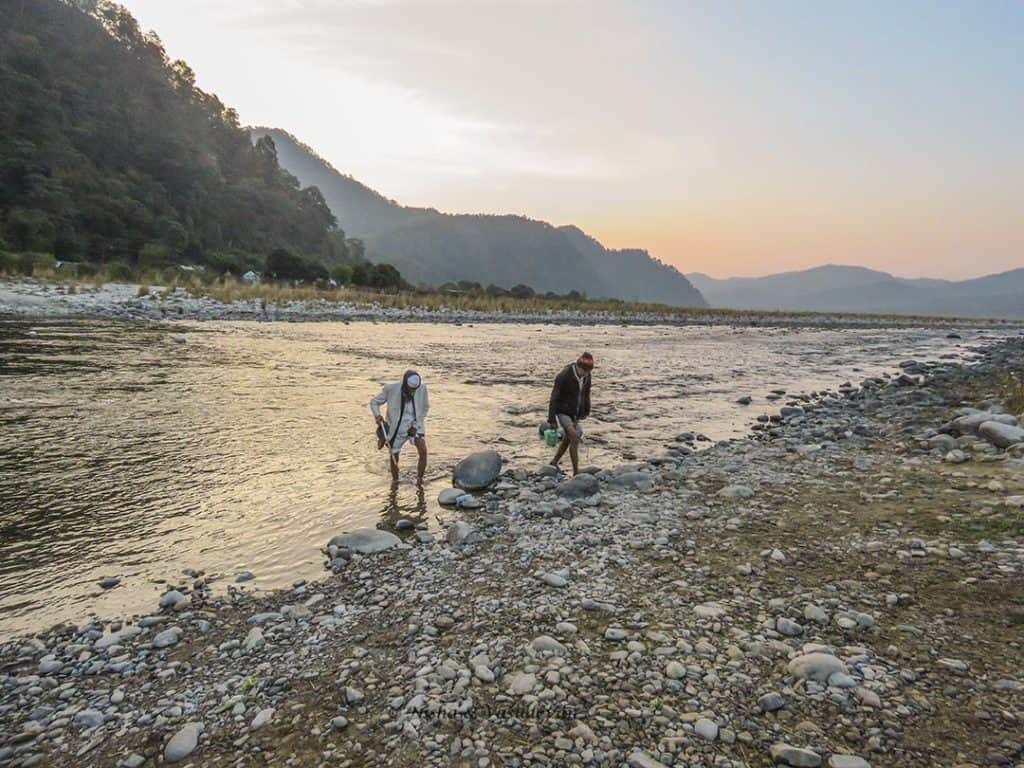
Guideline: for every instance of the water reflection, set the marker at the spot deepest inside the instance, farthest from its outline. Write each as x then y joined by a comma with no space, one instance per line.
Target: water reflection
397,507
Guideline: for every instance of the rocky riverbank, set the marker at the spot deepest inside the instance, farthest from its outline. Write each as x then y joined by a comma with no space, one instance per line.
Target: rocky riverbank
116,301
843,588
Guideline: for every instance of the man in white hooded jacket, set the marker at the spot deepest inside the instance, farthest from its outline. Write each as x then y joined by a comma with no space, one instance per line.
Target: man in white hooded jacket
406,404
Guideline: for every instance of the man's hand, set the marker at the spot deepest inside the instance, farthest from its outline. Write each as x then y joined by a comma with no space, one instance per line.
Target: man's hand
412,431
380,419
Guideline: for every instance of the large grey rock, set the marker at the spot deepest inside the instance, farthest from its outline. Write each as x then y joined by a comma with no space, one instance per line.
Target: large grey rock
366,541
579,487
183,743
816,666
477,471
1001,435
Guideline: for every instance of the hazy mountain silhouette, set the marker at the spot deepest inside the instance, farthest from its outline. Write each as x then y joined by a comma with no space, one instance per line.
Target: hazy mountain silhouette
431,247
834,288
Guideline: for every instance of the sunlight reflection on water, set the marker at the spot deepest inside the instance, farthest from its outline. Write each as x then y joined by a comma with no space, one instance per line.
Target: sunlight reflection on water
124,451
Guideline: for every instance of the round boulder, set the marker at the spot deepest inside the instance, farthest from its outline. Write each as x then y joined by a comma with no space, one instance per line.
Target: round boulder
477,471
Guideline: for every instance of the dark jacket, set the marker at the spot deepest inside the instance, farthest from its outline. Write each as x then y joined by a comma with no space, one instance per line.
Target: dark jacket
568,397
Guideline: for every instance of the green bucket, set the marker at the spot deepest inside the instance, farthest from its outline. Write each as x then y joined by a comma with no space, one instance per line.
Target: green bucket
551,437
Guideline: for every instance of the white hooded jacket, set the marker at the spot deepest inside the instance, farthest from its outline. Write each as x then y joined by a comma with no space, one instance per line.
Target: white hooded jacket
391,398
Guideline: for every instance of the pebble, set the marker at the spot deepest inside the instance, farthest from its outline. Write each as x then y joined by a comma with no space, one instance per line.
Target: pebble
522,683
167,638
554,580
183,743
89,718
262,718
640,759
174,600
254,640
546,643
816,666
847,761
796,757
706,729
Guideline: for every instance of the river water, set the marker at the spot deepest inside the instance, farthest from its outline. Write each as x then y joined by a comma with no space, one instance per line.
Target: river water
145,451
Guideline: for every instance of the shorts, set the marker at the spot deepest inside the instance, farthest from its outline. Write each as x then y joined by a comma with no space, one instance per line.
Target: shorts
565,420
400,440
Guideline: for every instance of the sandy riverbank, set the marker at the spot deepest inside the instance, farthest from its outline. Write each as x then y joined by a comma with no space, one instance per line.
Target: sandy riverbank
845,582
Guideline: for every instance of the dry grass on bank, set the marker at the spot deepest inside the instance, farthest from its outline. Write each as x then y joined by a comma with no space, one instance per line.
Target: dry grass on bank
160,283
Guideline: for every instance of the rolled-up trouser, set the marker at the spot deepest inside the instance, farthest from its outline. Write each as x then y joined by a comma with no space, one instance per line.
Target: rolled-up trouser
402,439
565,420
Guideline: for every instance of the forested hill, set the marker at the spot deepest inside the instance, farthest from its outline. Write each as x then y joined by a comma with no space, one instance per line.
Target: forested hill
428,246
109,151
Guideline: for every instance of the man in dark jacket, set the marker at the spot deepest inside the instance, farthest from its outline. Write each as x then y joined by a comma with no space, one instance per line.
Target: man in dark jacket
570,404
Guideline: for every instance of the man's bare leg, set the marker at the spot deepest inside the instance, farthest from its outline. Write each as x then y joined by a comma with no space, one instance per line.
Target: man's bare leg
570,442
421,467
394,467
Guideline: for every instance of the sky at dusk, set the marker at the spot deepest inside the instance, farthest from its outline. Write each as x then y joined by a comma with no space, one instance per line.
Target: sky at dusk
733,138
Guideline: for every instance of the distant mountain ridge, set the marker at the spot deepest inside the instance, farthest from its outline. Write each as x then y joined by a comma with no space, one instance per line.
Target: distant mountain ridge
837,288
432,247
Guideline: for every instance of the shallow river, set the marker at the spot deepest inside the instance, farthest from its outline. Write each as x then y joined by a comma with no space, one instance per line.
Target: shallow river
142,451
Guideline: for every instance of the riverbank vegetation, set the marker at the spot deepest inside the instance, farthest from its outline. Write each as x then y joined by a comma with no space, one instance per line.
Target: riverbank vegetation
226,289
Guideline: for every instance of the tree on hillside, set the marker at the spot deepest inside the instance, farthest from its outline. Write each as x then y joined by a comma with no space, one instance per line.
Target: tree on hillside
109,148
285,265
